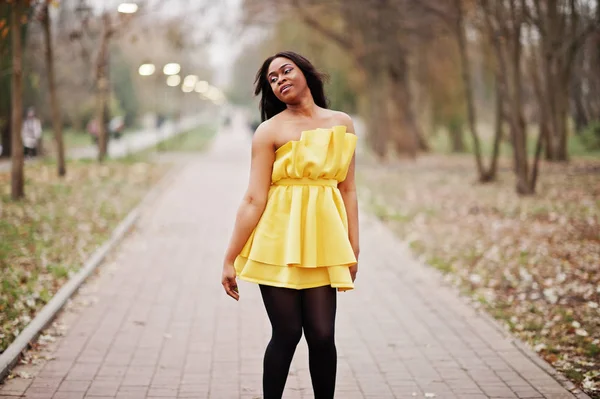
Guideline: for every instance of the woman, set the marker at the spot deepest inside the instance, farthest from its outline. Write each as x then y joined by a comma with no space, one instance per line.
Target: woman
296,231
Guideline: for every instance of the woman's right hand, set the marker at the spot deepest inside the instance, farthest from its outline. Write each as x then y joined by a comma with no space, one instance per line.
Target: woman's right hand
228,281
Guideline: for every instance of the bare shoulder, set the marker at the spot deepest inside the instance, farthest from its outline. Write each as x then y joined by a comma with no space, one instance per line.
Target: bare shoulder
343,119
263,134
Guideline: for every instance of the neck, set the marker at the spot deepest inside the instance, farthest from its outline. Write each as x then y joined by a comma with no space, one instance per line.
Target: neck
304,107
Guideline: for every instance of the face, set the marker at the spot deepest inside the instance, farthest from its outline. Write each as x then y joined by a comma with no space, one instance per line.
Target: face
286,79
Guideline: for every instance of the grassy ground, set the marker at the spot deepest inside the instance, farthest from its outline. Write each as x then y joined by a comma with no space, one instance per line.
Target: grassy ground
72,138
47,237
194,140
191,141
533,263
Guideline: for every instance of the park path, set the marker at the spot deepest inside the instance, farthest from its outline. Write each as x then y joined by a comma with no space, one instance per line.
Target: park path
155,323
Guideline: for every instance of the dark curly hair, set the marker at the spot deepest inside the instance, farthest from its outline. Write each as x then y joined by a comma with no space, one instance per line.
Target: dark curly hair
270,105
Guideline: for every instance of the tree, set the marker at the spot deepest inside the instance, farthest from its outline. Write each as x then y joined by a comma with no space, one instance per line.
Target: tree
376,37
5,80
455,17
562,31
102,87
52,92
504,23
17,16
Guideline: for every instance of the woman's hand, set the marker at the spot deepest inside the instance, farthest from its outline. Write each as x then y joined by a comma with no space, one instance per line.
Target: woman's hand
353,271
228,281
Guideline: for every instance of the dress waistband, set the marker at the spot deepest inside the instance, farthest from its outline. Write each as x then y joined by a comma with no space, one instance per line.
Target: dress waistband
305,181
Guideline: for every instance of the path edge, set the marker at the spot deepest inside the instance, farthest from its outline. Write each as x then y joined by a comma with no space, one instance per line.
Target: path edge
535,358
523,347
11,356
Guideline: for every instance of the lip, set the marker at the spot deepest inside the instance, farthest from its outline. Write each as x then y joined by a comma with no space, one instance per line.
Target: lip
285,88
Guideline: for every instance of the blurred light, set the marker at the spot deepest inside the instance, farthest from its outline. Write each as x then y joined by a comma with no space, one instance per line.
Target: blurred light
189,83
214,94
173,80
127,8
202,86
190,80
147,69
172,68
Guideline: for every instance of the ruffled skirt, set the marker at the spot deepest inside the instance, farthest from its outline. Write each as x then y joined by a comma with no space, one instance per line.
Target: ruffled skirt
301,240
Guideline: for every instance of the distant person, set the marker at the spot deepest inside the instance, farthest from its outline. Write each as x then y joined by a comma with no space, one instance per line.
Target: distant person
116,126
160,120
296,231
93,129
31,133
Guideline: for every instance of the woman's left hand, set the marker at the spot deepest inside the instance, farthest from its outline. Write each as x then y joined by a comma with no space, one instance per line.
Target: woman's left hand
353,271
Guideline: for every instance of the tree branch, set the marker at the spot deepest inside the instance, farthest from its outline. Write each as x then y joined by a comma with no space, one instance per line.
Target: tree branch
342,41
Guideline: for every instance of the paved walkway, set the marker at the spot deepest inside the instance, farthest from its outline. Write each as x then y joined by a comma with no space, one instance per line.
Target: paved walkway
156,323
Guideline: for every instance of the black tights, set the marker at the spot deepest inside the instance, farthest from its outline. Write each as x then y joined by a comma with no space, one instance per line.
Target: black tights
290,311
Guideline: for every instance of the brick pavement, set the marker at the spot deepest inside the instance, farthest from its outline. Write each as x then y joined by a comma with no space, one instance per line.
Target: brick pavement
156,324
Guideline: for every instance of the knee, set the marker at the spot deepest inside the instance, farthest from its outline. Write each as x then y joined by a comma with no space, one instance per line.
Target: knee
320,338
289,336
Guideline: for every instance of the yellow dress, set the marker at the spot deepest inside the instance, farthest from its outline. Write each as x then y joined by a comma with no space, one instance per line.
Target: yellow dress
301,240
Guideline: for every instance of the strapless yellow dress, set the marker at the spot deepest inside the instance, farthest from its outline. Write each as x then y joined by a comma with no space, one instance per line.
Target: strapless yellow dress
301,240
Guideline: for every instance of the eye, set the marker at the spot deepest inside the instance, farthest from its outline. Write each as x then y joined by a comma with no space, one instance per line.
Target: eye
273,79
287,70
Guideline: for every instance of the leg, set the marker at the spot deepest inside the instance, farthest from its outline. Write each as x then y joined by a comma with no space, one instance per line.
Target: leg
318,315
284,308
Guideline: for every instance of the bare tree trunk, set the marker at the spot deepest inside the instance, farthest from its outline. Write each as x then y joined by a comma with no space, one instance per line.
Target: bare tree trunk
491,174
102,88
412,139
580,113
468,90
562,117
562,32
508,54
53,96
536,160
17,172
406,136
518,127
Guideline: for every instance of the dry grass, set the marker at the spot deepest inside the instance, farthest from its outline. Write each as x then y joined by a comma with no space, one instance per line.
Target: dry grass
47,237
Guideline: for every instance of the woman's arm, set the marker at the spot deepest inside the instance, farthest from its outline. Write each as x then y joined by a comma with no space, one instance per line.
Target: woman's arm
253,204
348,191
254,201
